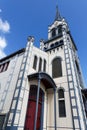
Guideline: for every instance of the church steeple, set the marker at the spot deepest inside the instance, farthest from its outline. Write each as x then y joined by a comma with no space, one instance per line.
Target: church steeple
58,16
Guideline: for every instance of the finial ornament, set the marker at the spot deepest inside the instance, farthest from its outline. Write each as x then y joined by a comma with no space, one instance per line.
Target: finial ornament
58,16
30,38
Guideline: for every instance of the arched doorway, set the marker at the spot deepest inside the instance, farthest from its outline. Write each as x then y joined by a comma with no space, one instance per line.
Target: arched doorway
31,109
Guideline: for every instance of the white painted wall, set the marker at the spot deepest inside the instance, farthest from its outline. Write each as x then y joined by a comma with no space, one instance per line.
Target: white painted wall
4,76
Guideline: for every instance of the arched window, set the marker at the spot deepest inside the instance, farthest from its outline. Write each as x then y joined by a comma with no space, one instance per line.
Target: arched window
35,62
61,102
52,45
40,64
77,66
56,68
53,32
44,66
59,29
56,43
79,73
61,93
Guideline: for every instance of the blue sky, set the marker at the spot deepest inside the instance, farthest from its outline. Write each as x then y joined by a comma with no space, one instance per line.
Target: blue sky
21,18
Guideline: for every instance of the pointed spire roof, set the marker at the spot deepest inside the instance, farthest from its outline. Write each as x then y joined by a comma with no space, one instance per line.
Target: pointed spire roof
58,16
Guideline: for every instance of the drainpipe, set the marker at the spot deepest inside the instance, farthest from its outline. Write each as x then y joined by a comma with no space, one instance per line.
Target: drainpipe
55,107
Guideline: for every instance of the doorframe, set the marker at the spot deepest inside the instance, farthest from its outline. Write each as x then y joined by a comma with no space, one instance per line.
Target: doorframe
36,111
49,83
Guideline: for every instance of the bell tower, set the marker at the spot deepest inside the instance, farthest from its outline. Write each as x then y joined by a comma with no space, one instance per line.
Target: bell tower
64,68
54,32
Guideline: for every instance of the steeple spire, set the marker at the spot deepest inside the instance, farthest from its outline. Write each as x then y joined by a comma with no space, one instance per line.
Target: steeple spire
58,16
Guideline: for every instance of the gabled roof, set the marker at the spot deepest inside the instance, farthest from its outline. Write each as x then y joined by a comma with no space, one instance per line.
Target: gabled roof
13,54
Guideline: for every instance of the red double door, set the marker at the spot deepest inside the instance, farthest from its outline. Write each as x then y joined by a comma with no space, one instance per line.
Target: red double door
31,110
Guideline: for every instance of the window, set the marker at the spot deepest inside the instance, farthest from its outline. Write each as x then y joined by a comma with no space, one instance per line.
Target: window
45,48
52,45
77,66
56,68
40,64
35,62
2,118
61,101
53,32
56,43
79,73
60,29
4,67
44,66
84,93
62,108
61,41
61,93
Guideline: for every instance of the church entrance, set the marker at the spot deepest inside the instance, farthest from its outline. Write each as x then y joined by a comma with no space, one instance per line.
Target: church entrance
31,109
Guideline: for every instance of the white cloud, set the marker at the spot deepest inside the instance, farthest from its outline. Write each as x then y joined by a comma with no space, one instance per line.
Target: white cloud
3,44
0,10
2,54
4,26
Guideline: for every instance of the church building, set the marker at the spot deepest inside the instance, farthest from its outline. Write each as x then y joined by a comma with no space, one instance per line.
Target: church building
42,88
